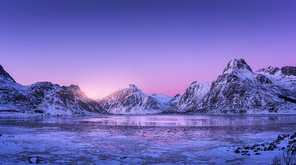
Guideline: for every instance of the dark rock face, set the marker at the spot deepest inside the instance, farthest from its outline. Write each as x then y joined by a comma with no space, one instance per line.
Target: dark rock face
263,79
45,97
287,99
288,70
4,75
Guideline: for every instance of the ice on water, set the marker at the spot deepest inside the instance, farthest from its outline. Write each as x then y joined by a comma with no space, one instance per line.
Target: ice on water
138,139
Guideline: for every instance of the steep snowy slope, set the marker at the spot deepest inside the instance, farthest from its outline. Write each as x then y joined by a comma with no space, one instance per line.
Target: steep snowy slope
165,101
284,77
5,77
44,97
131,100
192,97
239,90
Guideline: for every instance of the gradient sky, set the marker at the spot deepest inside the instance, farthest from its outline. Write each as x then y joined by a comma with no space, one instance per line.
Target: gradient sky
162,46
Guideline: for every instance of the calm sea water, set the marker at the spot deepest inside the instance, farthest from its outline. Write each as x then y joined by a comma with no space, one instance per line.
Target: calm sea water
139,139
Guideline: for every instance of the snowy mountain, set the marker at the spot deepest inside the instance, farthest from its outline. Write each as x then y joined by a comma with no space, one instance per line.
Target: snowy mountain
192,96
284,77
44,97
131,100
239,90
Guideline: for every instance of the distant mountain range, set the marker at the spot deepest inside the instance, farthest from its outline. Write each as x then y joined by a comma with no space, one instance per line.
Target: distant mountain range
238,90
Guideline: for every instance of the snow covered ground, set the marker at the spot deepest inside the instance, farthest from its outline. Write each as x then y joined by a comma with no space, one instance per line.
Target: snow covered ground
139,139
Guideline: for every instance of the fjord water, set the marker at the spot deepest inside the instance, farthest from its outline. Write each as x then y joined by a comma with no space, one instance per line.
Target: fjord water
140,139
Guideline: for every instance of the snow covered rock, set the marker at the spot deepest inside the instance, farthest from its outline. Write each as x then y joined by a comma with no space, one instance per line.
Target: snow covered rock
175,99
284,77
236,64
44,97
271,70
131,100
36,160
288,70
4,76
239,90
192,97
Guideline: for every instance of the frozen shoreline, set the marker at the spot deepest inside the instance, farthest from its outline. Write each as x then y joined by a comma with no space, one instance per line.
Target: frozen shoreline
19,114
69,139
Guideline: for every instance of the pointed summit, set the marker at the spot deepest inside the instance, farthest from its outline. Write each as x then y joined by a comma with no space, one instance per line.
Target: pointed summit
236,64
177,96
131,100
124,92
5,76
130,87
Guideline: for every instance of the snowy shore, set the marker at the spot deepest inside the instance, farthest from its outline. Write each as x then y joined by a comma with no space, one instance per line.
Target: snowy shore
125,140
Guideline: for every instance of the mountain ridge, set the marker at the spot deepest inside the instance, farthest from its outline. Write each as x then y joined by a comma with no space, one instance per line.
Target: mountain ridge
45,98
4,76
239,90
131,100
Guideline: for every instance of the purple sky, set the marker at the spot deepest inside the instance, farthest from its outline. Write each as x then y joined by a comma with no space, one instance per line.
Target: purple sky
162,46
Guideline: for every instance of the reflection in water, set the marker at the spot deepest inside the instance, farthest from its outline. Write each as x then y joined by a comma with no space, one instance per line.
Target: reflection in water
177,120
273,118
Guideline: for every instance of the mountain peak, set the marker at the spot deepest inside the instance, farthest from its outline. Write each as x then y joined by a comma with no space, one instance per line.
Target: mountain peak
130,87
236,64
131,100
74,87
270,70
177,95
4,75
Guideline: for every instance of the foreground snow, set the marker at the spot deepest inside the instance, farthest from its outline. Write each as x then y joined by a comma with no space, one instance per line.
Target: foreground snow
139,139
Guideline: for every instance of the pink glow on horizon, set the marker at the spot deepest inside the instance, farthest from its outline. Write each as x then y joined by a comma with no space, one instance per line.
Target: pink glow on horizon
170,85
158,46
